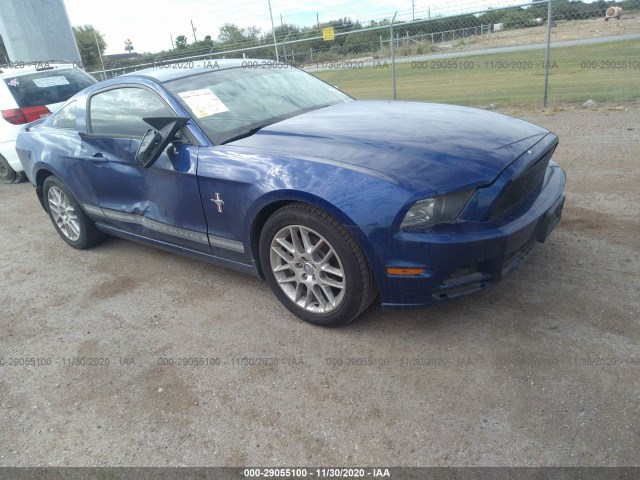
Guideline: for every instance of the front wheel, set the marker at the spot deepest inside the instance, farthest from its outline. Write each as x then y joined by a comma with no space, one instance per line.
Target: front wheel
68,218
315,267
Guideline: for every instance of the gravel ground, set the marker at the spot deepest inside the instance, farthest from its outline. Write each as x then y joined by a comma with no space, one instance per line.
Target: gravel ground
543,369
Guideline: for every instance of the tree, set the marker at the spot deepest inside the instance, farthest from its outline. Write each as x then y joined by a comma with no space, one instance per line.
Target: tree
286,29
181,42
252,33
86,36
231,34
203,44
516,19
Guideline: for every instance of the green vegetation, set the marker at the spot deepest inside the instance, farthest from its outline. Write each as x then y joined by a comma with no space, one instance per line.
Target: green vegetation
577,74
86,36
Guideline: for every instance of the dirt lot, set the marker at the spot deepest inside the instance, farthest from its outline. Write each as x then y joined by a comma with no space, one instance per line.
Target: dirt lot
562,31
543,369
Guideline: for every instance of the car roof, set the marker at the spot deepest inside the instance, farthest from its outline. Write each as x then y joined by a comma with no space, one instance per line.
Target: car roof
167,73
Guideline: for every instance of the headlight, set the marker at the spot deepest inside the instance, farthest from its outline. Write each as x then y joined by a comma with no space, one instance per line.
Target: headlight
430,211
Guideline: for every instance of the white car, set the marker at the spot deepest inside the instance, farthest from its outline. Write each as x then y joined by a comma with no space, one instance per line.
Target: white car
29,91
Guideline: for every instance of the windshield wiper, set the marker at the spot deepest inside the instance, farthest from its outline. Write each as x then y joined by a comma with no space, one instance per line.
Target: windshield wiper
248,133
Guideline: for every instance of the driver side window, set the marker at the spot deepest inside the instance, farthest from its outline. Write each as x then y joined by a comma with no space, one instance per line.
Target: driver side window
119,112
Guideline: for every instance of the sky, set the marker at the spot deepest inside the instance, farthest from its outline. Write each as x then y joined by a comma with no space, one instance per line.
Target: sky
151,23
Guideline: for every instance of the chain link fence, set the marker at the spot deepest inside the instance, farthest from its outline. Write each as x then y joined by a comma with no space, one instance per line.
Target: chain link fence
484,58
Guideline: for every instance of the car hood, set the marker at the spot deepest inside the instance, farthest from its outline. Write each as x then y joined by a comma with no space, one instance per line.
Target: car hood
430,146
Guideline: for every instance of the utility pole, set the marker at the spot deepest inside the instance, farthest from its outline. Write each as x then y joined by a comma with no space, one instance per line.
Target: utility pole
318,20
413,10
546,67
104,75
173,45
393,54
194,32
273,31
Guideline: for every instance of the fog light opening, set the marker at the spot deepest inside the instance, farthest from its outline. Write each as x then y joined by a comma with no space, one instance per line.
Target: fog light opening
463,271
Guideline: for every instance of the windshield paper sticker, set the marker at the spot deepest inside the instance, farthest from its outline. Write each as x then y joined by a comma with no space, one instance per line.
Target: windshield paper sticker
203,102
50,81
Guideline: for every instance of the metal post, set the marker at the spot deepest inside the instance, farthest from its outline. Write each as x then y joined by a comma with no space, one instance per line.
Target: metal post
546,67
393,55
104,74
273,30
284,47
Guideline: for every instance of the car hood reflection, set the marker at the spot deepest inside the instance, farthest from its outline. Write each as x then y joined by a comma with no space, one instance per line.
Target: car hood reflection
428,145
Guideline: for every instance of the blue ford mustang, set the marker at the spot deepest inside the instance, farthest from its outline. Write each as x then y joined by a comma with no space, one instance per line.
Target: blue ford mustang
275,173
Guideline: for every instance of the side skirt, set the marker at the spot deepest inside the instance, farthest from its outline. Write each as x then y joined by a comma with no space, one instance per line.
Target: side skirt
222,262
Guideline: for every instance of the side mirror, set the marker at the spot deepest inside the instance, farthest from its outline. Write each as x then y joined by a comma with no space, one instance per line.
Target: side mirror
156,140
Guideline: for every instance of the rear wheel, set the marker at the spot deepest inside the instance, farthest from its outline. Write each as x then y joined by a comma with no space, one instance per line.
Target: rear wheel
20,177
68,218
315,267
8,174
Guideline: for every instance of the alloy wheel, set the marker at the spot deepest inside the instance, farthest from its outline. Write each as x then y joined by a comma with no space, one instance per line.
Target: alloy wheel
307,269
63,213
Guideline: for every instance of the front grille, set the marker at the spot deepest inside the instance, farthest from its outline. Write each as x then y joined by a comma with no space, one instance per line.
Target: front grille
523,189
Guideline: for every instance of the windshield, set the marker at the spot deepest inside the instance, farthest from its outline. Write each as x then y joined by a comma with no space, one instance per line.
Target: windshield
232,103
48,87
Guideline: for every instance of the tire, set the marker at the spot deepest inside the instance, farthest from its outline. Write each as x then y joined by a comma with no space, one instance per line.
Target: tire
20,177
68,218
315,267
7,174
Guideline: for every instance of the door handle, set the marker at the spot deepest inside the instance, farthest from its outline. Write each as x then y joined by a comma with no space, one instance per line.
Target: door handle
97,158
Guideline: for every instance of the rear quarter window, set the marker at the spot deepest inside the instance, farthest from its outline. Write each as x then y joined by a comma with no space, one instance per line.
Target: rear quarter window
65,117
48,87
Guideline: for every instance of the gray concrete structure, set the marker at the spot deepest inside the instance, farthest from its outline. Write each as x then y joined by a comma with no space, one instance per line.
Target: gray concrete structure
37,30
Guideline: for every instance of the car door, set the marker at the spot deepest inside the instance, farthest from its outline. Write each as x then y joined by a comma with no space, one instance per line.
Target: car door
161,202
227,188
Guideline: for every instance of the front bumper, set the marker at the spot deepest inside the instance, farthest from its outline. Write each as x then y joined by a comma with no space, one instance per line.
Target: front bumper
463,258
